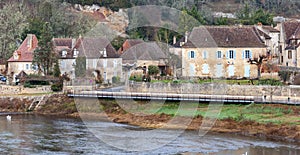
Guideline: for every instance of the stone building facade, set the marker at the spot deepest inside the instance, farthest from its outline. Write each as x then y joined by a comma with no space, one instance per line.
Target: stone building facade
222,52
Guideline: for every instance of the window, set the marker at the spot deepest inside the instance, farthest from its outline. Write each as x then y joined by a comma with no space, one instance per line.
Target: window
231,54
204,55
64,53
34,67
104,63
290,55
192,54
247,54
219,54
115,63
94,63
27,66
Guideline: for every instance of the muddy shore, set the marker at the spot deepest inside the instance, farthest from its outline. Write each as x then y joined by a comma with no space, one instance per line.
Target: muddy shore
62,105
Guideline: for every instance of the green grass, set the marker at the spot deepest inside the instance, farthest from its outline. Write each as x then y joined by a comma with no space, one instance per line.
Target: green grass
258,113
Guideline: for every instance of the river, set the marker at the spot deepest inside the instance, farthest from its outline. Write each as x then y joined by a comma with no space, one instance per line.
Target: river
38,134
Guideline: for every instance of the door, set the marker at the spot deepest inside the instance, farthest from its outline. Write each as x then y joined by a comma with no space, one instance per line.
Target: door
231,70
192,69
247,71
219,70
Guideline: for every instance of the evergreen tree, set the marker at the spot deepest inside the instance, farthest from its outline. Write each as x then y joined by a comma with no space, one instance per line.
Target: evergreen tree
43,55
80,67
56,71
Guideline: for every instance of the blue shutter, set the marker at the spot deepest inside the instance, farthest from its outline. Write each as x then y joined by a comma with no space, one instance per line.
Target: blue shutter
195,54
250,53
244,54
217,54
234,54
227,54
189,54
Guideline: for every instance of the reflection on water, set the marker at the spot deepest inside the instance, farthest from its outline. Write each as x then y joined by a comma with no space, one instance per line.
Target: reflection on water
36,134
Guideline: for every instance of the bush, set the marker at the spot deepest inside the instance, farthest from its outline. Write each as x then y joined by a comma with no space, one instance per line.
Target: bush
28,85
272,82
57,87
137,78
115,79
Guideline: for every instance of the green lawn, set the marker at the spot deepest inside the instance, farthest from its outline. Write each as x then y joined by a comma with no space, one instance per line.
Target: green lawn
255,112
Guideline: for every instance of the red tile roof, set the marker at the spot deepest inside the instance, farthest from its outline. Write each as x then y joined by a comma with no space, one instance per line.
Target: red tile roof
25,51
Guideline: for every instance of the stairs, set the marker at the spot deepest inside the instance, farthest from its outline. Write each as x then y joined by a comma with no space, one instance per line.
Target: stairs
37,102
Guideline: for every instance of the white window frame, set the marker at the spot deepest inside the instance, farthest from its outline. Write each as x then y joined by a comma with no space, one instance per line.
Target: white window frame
219,54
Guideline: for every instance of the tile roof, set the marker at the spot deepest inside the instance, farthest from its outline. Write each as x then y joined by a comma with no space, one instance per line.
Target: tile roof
128,44
291,28
224,36
265,35
26,49
91,47
270,29
63,44
144,51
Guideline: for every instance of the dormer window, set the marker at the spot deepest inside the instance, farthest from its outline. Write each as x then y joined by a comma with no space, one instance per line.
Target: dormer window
76,52
64,54
16,56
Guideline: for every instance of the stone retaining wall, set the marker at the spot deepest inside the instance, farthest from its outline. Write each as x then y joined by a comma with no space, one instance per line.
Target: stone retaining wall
5,89
211,89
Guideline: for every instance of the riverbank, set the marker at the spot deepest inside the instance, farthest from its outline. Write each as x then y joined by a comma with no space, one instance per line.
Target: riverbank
273,122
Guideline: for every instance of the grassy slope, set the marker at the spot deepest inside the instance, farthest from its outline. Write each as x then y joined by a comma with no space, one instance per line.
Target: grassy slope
277,114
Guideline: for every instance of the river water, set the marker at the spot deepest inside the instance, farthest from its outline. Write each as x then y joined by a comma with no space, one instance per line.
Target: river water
37,134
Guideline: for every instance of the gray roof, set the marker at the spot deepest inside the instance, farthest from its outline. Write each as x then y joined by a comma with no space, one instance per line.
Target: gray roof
144,51
91,47
224,36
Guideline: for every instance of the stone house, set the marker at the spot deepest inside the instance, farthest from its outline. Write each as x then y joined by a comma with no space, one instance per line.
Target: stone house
222,51
22,58
271,37
66,58
289,43
142,55
100,56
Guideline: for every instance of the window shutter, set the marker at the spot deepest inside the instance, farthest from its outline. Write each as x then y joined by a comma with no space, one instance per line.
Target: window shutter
250,53
227,54
195,54
234,54
189,54
217,54
244,52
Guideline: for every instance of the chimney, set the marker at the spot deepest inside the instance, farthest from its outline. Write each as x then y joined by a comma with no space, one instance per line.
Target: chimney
174,40
29,41
104,53
186,37
73,43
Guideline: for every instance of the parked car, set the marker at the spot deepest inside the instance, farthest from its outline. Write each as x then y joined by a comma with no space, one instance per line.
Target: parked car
3,79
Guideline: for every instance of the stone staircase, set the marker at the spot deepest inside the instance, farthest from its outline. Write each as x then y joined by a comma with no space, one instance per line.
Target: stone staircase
37,102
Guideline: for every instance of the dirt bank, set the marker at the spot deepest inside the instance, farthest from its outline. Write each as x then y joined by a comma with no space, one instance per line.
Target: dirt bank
62,105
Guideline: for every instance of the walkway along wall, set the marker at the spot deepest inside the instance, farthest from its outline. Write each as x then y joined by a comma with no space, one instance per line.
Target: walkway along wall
211,89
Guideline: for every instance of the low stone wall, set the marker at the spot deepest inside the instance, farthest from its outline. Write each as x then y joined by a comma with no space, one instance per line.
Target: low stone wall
5,89
211,89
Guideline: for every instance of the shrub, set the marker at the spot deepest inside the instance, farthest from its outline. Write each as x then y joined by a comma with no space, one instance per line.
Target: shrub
28,85
57,87
153,70
272,82
115,79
